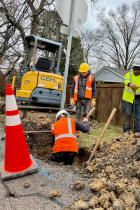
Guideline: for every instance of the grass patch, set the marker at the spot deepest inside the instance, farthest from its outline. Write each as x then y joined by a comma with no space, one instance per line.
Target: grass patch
87,140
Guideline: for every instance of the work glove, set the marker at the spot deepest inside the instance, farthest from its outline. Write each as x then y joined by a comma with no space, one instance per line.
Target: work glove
93,102
133,86
72,103
85,119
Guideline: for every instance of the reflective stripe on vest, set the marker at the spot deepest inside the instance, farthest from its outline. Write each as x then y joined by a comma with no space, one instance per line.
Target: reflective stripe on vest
129,94
88,88
76,87
76,84
69,134
88,83
128,89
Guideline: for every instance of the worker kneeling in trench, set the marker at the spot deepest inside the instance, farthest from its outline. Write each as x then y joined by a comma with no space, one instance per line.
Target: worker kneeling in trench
64,135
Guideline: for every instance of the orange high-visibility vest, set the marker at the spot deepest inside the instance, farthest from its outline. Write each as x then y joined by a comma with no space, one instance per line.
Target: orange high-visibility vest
88,91
65,135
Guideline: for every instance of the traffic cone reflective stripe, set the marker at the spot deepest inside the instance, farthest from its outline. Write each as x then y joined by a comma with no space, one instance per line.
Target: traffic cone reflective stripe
17,161
17,157
11,113
12,120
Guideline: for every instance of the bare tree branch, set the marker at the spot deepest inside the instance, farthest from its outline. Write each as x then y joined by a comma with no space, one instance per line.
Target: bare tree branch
121,34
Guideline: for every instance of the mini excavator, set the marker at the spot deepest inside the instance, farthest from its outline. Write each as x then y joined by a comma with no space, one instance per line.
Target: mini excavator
41,82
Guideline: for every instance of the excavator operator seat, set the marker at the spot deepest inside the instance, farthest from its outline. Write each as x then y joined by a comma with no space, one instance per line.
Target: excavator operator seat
43,64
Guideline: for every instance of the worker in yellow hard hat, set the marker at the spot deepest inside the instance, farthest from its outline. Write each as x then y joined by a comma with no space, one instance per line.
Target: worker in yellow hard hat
83,91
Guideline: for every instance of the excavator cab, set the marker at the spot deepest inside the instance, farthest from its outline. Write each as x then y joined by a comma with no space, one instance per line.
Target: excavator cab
41,82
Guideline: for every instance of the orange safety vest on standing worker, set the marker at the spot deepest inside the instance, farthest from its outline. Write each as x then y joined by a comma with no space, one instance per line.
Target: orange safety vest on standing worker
65,135
88,91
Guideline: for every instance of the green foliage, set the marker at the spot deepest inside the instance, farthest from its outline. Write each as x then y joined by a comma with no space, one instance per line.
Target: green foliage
50,29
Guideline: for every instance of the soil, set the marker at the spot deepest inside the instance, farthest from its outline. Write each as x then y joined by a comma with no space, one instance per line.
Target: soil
41,144
113,173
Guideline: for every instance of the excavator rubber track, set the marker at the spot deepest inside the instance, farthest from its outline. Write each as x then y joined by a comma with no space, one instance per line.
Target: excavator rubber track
25,108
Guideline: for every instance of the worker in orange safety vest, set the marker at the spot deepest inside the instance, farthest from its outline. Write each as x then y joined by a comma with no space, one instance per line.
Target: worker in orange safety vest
83,91
64,135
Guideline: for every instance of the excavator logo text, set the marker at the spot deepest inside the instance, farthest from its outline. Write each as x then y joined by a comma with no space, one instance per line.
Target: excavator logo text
26,81
48,79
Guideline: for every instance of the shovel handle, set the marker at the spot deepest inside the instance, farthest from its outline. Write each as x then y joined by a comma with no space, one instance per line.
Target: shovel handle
106,125
83,120
90,112
37,131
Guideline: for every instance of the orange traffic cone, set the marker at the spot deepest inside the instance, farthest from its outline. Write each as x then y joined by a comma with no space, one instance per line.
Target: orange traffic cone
17,157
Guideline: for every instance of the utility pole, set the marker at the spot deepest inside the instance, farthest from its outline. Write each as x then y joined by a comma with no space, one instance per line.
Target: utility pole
71,22
73,14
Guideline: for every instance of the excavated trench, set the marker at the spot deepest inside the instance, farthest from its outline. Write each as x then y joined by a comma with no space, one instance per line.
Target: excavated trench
113,174
40,145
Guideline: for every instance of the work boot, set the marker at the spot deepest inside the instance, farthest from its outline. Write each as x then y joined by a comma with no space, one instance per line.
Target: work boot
126,134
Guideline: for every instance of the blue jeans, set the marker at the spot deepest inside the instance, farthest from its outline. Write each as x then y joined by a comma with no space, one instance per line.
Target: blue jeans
86,104
128,108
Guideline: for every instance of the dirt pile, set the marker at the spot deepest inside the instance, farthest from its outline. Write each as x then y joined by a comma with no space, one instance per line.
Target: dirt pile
113,175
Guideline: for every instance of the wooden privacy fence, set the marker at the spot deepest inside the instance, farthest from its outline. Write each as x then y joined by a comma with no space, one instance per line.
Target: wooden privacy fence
108,96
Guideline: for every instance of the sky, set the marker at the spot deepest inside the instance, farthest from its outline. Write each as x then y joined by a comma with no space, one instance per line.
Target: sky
109,4
92,23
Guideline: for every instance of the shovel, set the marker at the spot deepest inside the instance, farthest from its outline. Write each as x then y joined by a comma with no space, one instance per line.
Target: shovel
106,125
90,112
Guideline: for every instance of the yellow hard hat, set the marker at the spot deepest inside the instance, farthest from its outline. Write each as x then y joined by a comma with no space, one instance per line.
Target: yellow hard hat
84,67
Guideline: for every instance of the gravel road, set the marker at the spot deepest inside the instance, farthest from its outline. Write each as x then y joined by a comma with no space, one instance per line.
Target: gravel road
51,176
